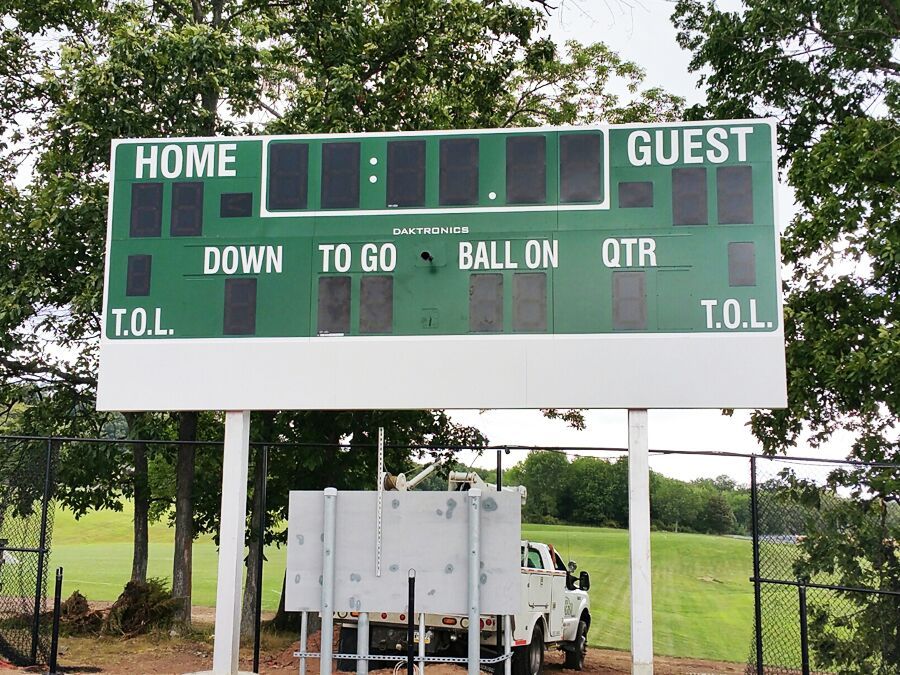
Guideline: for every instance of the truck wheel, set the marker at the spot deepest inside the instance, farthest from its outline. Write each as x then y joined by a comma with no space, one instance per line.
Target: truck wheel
347,645
529,659
576,655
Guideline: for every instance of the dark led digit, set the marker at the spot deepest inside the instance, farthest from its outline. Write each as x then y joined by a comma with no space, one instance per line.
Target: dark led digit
741,263
340,175
689,197
734,195
459,171
240,307
637,194
406,173
629,301
288,175
334,305
146,210
530,301
486,303
376,304
187,209
526,170
579,168
138,280
236,205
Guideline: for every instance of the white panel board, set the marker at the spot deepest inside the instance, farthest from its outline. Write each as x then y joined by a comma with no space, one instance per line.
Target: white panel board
528,371
425,531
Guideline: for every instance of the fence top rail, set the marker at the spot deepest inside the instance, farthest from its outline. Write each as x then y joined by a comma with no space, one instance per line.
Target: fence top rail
568,450
827,587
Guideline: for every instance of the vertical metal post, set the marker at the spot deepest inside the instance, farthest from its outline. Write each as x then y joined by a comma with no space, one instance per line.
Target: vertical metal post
328,581
42,553
304,628
474,634
757,591
639,542
54,640
379,506
260,552
804,630
497,618
421,643
507,646
411,624
362,644
235,457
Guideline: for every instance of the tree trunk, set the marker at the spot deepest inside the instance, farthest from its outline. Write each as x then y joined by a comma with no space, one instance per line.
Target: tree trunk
141,549
251,590
184,516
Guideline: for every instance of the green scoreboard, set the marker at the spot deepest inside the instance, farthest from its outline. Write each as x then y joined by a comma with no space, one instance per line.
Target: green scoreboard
603,266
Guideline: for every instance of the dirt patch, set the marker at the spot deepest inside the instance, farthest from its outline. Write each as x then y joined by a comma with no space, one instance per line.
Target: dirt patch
171,654
175,656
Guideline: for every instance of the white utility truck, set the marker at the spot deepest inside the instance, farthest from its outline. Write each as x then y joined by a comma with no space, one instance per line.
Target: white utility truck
554,609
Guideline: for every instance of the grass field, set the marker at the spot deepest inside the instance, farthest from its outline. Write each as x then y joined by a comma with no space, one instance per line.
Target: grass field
702,599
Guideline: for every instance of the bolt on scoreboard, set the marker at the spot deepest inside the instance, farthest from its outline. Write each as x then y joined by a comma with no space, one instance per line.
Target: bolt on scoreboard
603,266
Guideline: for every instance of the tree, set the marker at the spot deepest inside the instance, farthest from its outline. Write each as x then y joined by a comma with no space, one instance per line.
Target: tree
717,516
545,476
852,542
828,70
178,68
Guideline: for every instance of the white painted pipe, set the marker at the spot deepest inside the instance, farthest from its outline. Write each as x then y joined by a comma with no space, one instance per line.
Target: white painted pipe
507,645
474,635
304,628
421,643
330,517
362,643
639,541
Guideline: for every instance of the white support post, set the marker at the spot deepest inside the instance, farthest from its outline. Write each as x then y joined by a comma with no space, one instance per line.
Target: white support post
362,643
474,634
639,540
330,518
507,645
421,643
231,542
304,630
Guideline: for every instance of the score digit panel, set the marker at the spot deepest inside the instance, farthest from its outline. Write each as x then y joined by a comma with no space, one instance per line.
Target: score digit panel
607,266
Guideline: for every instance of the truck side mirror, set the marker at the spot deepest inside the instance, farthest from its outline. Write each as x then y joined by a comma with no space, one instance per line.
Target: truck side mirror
584,581
572,567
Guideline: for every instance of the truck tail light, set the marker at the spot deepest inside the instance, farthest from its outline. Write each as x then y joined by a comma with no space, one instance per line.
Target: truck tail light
354,613
384,615
448,621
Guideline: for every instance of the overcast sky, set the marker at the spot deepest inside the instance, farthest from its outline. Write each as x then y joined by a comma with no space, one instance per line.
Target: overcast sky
640,31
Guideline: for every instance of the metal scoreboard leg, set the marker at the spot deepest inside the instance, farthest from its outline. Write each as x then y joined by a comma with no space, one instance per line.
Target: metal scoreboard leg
474,581
639,540
231,542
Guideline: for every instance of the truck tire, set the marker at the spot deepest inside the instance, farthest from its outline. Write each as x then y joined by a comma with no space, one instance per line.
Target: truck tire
529,659
347,645
577,651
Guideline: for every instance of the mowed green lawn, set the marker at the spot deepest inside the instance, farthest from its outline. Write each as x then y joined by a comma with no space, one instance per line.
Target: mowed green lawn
702,599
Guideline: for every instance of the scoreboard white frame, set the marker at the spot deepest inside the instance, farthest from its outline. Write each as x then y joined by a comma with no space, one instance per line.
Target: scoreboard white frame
634,370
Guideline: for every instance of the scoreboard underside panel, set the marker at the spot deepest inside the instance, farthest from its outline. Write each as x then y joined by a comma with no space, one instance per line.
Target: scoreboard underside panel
637,371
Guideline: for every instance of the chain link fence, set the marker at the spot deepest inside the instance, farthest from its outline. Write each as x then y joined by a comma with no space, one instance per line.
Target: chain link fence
26,523
826,568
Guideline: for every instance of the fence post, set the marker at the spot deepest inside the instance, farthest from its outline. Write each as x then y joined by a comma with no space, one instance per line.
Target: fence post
54,640
757,599
411,623
804,630
42,552
260,544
